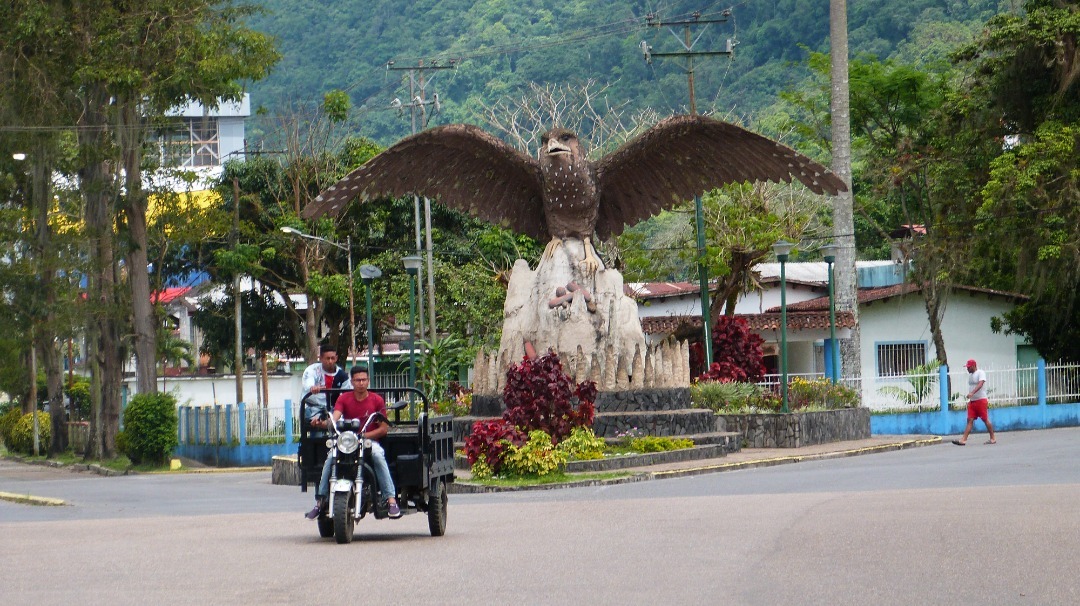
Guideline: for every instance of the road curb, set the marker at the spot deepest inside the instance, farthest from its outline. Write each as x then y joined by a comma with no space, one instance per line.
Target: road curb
27,499
774,461
105,471
463,487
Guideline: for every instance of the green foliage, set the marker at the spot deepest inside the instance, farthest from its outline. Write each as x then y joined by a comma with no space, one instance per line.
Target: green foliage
78,391
439,365
582,445
7,424
150,425
646,444
336,104
564,46
922,379
820,393
732,396
536,457
266,325
22,434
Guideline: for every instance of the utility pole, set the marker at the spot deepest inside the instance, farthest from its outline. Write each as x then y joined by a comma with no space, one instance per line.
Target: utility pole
653,20
418,101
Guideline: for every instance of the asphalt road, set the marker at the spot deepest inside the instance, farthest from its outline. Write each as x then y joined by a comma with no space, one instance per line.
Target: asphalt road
943,524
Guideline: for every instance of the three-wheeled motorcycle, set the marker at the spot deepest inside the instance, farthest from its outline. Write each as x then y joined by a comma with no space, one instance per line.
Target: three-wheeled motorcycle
419,452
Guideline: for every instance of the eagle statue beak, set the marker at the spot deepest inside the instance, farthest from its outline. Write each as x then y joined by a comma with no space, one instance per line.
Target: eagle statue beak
555,147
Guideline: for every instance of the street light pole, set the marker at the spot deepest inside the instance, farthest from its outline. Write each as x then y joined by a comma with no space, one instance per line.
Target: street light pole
412,267
829,253
352,307
367,274
782,249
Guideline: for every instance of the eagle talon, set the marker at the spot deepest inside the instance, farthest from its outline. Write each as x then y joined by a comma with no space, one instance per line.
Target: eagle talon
590,263
549,250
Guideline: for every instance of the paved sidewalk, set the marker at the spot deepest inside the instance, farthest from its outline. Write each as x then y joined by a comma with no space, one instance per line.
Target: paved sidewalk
746,458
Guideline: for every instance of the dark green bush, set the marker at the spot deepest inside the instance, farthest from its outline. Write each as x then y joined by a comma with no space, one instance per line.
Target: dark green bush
150,424
732,397
22,434
7,423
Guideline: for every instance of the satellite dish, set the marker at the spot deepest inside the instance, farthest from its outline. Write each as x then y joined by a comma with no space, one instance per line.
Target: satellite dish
370,272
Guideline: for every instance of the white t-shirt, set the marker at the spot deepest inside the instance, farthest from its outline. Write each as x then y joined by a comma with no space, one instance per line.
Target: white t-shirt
973,380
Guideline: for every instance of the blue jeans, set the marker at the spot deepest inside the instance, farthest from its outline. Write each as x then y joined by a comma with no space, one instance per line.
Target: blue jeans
382,474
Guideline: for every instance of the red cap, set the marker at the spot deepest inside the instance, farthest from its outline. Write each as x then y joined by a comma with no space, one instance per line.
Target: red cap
970,363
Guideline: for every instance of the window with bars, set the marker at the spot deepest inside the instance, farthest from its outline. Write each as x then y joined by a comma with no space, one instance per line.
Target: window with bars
193,143
896,359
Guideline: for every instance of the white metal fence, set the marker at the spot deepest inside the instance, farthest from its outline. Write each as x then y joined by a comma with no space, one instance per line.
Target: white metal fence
1018,386
914,392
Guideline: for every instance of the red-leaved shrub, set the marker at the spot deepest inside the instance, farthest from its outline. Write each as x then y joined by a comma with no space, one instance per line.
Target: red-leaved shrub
539,395
488,441
736,352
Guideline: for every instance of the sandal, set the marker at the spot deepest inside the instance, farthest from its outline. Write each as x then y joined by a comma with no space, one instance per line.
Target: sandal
990,442
959,443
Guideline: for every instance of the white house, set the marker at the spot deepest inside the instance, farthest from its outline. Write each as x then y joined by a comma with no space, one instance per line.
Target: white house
893,326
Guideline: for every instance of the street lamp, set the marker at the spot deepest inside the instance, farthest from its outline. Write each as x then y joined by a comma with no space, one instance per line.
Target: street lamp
782,249
352,308
829,253
367,274
412,267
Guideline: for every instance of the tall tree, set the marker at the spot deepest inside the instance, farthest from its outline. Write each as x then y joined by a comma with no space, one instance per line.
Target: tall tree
151,59
847,296
1023,94
34,95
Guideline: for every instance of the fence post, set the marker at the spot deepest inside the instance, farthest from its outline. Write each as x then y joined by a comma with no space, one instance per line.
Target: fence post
943,394
243,423
228,424
206,424
288,422
1040,380
181,429
217,424
198,424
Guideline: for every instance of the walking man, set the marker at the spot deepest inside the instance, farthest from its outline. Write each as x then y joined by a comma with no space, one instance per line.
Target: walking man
978,405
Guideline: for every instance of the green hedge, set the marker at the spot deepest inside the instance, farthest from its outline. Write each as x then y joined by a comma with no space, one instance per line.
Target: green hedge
7,423
22,434
150,424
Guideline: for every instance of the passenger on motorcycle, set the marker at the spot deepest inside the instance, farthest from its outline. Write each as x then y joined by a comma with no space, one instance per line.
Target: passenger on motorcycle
361,404
324,374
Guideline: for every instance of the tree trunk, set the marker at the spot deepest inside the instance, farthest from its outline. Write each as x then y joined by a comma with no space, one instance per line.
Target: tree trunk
45,330
143,316
843,212
104,345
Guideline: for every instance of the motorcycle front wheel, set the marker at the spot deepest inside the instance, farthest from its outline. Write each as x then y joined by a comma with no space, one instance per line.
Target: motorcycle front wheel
343,520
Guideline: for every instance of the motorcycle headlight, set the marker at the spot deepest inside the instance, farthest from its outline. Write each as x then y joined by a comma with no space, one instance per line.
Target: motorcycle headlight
348,442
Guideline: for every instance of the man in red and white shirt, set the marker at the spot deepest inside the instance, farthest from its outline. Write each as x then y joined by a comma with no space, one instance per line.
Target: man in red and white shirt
978,404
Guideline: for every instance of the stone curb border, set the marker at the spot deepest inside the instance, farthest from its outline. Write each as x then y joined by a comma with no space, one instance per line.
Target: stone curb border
105,471
459,487
27,499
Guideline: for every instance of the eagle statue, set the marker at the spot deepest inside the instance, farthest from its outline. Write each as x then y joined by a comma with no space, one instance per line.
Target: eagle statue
562,194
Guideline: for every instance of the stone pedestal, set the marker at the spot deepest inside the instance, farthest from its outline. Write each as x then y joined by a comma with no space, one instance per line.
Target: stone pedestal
587,320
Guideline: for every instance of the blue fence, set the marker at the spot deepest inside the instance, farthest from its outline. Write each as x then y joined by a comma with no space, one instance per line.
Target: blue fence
1039,415
228,436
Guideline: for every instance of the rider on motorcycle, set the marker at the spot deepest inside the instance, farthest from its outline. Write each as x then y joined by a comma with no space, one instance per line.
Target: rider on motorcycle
360,404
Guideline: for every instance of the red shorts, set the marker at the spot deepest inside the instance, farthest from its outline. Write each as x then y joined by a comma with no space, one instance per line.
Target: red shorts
977,409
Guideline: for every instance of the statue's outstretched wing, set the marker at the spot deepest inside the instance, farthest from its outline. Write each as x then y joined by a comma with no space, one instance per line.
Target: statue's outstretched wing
685,156
459,165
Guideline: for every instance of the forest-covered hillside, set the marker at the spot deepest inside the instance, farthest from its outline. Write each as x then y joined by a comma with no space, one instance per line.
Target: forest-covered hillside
498,46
